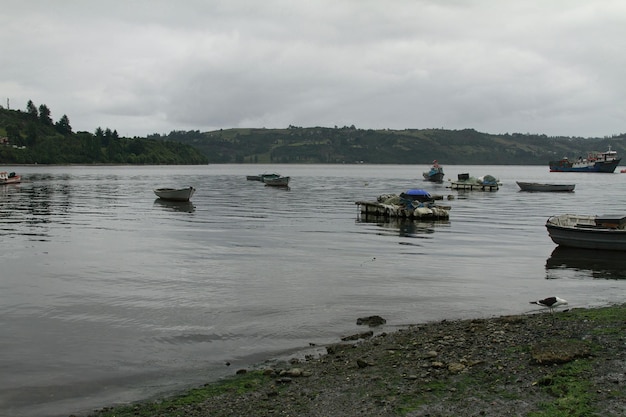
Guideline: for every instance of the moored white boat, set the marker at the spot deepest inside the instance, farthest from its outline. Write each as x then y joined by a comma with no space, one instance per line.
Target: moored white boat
588,232
175,194
536,186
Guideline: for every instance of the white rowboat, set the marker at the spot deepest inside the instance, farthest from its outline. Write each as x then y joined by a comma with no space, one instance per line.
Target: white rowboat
175,194
536,186
588,232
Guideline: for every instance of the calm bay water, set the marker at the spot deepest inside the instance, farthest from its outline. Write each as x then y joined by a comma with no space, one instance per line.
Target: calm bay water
108,295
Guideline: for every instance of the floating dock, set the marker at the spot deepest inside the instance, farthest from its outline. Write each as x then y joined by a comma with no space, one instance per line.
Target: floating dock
473,186
484,183
376,209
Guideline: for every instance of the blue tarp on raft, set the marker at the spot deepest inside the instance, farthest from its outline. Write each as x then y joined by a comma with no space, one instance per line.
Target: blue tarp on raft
415,195
417,192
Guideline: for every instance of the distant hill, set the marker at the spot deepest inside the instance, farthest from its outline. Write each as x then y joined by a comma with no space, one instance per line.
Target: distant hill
31,137
410,146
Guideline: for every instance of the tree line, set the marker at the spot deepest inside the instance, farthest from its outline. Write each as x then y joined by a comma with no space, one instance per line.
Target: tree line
32,137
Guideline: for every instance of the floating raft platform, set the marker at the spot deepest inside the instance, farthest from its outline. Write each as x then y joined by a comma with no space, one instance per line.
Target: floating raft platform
376,209
484,183
462,185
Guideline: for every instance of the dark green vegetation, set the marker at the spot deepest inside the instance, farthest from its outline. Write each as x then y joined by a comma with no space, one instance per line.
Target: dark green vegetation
31,137
569,363
40,140
410,146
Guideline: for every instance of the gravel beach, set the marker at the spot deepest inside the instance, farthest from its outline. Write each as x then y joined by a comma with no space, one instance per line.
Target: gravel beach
566,363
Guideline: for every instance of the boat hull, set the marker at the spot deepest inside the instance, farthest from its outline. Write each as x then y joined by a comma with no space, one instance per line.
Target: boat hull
434,174
434,177
14,180
175,194
277,182
9,178
585,232
605,162
533,186
261,177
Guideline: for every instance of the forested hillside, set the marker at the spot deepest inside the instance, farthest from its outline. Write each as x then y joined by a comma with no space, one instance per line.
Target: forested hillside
410,146
31,137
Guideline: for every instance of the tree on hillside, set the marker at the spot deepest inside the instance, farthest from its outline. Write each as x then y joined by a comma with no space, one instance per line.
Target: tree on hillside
63,125
31,134
44,115
99,134
32,109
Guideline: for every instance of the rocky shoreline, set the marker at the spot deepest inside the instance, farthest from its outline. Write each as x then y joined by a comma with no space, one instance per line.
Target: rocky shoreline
562,364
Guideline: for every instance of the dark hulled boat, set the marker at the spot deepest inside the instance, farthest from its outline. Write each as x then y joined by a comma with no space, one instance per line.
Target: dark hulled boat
594,162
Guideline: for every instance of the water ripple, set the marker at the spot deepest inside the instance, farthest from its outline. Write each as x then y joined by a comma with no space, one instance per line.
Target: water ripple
93,264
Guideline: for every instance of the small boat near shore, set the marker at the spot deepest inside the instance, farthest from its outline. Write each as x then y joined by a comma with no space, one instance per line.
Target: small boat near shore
544,187
9,178
588,232
594,162
175,194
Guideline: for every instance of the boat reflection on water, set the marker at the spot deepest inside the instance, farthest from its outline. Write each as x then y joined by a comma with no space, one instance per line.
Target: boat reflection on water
182,206
404,227
596,264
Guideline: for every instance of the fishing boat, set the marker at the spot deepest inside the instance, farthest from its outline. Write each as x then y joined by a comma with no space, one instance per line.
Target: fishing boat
175,194
435,174
588,232
277,181
536,186
594,162
9,178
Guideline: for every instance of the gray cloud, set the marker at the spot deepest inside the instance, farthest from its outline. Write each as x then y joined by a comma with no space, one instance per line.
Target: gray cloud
146,67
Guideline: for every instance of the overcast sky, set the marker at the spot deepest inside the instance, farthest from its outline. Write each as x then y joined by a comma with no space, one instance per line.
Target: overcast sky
152,66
